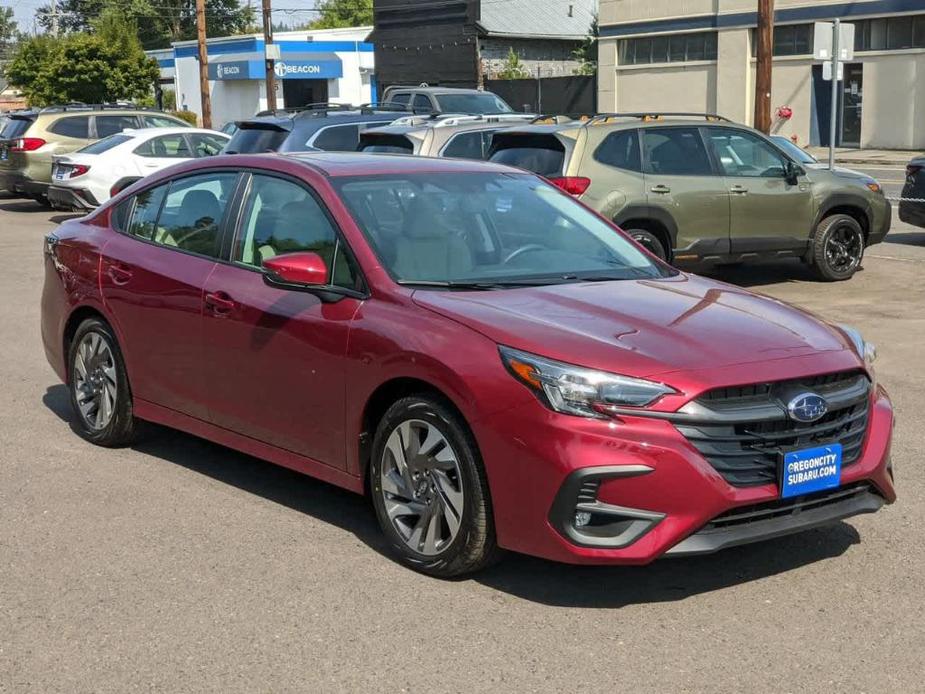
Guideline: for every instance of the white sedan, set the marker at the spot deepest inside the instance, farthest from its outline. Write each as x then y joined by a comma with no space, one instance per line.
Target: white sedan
90,176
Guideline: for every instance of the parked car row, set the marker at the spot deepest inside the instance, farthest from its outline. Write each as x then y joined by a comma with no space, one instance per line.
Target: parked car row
30,139
492,363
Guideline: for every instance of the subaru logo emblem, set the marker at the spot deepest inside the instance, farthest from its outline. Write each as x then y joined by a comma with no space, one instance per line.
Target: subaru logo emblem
807,407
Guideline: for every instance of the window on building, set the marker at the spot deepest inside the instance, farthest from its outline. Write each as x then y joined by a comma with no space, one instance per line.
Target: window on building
889,34
789,39
673,48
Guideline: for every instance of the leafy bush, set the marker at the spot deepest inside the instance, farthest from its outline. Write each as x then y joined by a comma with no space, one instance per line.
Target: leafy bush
189,116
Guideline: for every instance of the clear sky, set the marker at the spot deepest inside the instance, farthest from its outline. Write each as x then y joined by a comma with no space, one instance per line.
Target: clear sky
24,11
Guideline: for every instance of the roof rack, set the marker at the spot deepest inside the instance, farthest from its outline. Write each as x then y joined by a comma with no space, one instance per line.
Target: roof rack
81,106
655,115
550,119
316,106
451,120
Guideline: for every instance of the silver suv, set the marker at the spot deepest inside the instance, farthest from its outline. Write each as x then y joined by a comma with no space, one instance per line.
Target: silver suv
462,137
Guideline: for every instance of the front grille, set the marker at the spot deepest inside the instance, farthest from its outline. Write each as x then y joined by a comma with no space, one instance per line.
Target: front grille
784,507
744,431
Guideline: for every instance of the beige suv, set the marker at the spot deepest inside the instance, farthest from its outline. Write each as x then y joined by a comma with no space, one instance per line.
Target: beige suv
461,137
30,139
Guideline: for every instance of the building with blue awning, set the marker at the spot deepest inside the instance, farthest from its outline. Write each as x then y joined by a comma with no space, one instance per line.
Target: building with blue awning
331,65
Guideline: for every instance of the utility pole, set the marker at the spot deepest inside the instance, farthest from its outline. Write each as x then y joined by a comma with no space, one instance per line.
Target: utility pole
268,41
203,64
833,110
765,48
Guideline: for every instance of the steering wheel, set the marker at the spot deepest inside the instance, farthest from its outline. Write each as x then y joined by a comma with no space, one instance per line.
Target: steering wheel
523,249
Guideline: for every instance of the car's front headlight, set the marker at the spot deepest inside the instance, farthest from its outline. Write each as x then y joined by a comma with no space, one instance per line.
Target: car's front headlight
866,350
577,391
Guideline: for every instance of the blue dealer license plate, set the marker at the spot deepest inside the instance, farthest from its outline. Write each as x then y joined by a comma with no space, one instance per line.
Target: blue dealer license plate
810,470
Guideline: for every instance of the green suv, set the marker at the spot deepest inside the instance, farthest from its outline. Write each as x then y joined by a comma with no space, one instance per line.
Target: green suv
697,189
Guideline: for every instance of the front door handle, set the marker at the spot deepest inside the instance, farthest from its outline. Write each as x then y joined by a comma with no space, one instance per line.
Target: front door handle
660,189
739,190
220,303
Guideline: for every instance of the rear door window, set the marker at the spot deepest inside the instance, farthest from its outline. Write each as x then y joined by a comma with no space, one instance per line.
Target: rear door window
163,122
72,126
191,216
165,146
422,103
620,150
675,152
542,154
402,98
144,216
206,145
110,125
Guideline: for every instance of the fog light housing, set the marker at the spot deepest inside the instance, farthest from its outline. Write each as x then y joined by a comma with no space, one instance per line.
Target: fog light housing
582,518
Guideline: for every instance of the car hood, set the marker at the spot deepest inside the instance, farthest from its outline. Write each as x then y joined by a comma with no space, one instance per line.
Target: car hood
641,327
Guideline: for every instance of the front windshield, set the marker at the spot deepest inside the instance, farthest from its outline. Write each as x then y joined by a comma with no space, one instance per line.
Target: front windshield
484,102
795,152
489,229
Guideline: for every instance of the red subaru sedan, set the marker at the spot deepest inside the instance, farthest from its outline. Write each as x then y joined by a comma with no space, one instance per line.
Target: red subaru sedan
495,365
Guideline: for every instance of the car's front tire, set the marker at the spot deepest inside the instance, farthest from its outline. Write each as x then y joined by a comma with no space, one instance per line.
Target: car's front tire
99,387
838,248
429,489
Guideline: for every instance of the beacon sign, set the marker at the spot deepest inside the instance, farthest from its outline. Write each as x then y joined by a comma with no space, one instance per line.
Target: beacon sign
255,69
284,70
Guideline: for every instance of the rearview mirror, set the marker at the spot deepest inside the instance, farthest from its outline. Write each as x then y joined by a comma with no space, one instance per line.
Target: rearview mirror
295,270
792,173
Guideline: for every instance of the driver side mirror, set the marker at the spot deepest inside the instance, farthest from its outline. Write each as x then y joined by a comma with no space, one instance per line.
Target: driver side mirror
296,270
792,173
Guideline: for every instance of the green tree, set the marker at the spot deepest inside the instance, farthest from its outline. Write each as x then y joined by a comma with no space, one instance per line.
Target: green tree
513,69
342,13
8,30
586,53
109,65
159,21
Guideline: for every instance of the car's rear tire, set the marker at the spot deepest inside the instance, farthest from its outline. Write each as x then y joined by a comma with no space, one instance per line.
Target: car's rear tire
838,248
99,387
650,242
429,489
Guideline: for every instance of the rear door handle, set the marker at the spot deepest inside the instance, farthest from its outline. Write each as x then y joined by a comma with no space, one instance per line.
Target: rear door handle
220,303
739,190
119,274
661,189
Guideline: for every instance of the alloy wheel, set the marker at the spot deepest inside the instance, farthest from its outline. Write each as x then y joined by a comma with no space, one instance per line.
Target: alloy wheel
95,380
422,486
843,248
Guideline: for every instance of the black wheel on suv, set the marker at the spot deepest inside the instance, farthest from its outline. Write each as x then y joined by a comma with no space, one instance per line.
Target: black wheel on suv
838,248
429,489
99,387
650,242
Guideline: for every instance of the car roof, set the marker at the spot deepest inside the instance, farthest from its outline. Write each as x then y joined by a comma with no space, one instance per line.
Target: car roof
179,130
56,113
320,118
621,123
336,164
439,90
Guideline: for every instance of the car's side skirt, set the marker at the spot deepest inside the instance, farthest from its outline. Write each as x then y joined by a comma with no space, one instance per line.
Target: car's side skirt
150,412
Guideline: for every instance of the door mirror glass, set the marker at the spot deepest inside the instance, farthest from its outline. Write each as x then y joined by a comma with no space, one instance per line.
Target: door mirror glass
304,269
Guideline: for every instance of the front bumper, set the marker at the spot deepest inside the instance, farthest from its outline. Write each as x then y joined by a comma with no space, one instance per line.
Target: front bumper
655,495
882,221
71,198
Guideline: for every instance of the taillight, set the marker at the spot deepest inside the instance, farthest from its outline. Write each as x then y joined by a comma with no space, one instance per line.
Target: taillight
78,170
27,144
573,185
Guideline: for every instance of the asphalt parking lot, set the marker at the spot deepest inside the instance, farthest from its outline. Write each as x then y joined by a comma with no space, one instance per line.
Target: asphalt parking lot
178,565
